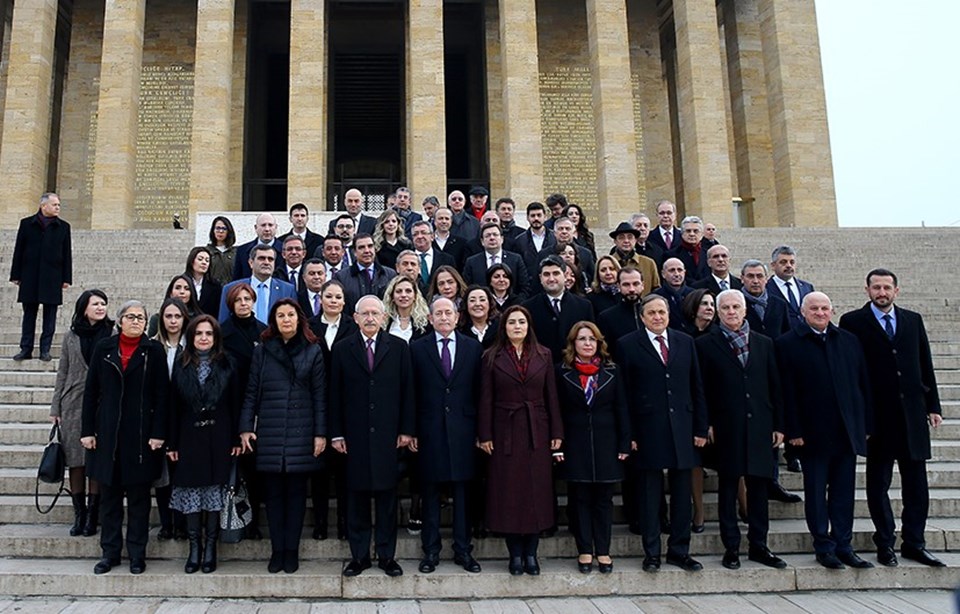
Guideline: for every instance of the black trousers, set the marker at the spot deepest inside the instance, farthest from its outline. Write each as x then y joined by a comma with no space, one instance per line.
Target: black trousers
430,507
111,520
649,489
359,527
758,518
477,492
320,489
916,500
28,328
285,498
829,479
593,519
519,545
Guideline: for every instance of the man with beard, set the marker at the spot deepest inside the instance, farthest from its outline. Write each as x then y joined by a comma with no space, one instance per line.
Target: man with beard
534,240
624,317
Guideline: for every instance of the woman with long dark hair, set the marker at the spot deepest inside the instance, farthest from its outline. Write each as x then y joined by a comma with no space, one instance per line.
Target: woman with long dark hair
90,324
479,315
181,288
584,235
447,282
206,287
223,250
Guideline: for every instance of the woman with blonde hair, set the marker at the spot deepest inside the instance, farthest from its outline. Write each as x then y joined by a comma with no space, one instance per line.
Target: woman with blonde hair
406,310
389,239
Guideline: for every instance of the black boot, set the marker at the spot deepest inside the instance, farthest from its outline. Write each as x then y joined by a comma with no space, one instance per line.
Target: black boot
93,515
79,514
210,542
193,536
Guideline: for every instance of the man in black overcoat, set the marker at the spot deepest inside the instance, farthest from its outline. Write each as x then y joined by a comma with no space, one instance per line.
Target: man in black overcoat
905,400
371,416
624,317
674,288
366,275
42,267
447,388
826,392
554,311
739,368
668,415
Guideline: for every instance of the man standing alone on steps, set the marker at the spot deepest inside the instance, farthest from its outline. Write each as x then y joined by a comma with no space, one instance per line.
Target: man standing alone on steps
42,268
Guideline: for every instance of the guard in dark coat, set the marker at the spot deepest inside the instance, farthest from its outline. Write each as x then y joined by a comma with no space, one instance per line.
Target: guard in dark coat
905,399
124,425
447,386
826,392
371,416
668,415
42,266
739,368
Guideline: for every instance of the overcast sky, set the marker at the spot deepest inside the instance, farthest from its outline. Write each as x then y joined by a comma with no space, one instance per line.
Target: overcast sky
892,76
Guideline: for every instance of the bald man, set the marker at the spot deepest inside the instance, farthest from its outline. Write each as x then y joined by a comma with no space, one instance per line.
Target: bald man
266,229
353,203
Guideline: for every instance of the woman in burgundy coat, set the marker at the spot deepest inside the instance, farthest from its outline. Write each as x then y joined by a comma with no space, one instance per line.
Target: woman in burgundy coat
519,426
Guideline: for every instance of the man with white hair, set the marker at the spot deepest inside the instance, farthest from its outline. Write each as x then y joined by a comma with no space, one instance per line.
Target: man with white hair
691,250
266,229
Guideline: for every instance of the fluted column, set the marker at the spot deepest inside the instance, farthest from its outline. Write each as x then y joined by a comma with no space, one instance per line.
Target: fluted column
426,134
307,141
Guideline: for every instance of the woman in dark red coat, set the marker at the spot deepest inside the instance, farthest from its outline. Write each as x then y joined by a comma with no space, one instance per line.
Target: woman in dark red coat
519,426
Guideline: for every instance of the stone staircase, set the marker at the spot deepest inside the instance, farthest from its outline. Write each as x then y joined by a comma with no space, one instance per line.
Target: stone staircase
39,558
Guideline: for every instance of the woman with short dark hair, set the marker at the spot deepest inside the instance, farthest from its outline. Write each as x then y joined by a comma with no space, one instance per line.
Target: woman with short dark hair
503,286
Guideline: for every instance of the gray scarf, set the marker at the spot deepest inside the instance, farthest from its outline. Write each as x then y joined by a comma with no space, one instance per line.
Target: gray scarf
759,302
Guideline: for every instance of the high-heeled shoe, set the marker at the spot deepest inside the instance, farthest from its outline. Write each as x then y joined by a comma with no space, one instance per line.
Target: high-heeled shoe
585,566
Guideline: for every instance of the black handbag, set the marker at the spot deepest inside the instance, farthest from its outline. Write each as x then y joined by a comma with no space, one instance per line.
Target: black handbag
52,469
236,512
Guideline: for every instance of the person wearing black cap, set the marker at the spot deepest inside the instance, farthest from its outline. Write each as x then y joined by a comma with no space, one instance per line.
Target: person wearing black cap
478,201
625,238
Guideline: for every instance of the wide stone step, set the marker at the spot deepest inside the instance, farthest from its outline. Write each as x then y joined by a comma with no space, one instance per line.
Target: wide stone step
24,412
26,394
29,379
8,350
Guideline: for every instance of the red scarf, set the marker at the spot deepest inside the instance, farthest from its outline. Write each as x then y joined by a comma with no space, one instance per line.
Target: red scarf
588,374
694,250
128,345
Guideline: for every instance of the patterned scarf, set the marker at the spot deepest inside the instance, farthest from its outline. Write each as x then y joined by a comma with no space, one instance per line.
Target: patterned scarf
588,376
612,289
739,341
693,248
759,302
203,367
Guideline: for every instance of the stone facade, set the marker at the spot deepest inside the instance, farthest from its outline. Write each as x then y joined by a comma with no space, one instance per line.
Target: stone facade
616,104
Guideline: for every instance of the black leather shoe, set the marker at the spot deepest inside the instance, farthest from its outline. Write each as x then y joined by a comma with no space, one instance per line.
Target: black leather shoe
515,566
794,466
104,565
291,561
776,492
468,563
921,555
687,563
585,567
137,566
531,566
45,356
276,562
391,568
23,355
697,528
830,561
605,567
765,557
887,557
355,568
429,564
851,559
320,533
651,563
731,559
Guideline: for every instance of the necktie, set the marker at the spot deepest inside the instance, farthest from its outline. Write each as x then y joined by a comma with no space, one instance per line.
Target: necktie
333,270
888,325
370,354
293,279
261,304
424,271
556,305
664,353
346,259
370,274
668,239
724,285
493,260
445,362
791,298
316,304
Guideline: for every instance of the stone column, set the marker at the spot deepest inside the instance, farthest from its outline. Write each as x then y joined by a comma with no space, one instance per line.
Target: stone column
307,132
495,144
212,88
613,111
703,123
797,104
520,66
115,163
426,133
26,124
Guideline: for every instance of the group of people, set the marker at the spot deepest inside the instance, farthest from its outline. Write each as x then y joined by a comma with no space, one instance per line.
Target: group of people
485,362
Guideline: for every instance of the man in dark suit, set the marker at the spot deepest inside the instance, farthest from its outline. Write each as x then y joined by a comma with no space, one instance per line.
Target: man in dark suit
719,279
669,418
505,208
266,228
290,267
475,268
299,215
402,206
785,284
444,240
674,289
691,250
644,246
666,235
42,267
624,317
430,257
565,230
313,278
366,275
447,386
554,311
269,289
536,239
826,392
475,246
739,368
905,401
371,417
353,203
556,203
333,254
465,225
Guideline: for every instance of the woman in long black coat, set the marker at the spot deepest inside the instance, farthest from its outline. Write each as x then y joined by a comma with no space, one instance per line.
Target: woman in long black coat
284,415
593,406
204,410
124,425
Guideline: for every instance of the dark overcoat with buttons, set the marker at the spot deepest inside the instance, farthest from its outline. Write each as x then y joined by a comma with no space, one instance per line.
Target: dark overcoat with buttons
666,402
552,328
744,403
447,409
42,261
370,409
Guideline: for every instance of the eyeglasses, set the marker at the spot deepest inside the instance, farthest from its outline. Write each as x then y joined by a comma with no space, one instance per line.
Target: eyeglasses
133,317
220,228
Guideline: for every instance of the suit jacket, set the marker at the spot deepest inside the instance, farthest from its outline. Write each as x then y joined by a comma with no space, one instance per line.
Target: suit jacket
656,237
902,382
278,290
475,270
42,261
371,408
775,320
666,402
826,390
209,301
312,240
357,285
551,329
446,409
588,263
675,300
651,250
440,258
711,284
523,244
744,403
804,287
365,224
282,273
241,265
465,226
618,321
454,247
319,328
